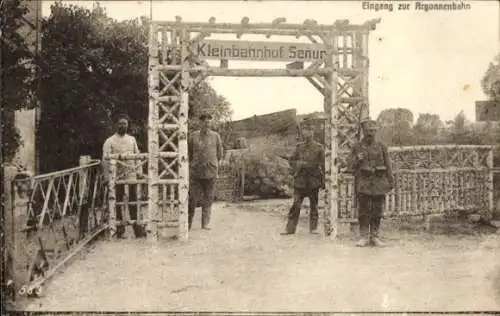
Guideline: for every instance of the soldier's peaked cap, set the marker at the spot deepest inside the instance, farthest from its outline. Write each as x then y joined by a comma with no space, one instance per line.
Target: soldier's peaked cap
368,122
205,114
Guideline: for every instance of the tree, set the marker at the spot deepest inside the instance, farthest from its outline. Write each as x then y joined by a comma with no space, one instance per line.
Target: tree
94,68
460,131
395,126
490,82
17,73
204,97
427,129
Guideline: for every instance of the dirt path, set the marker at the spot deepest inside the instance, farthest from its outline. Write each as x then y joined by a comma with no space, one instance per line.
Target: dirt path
245,265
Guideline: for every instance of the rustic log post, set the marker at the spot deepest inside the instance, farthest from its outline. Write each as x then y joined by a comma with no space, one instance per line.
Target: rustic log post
112,197
331,205
183,148
153,81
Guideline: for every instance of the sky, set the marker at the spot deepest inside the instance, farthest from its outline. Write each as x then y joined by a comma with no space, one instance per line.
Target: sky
427,62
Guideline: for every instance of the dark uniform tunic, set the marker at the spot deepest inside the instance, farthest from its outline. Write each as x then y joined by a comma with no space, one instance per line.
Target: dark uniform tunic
373,180
308,168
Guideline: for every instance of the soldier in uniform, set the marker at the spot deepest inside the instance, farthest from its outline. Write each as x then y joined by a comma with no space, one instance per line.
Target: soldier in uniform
205,152
370,163
308,163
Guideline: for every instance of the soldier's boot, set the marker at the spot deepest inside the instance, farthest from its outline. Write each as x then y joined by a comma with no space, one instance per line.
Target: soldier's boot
206,213
374,234
363,242
376,241
139,230
120,231
190,218
293,217
313,224
364,239
291,227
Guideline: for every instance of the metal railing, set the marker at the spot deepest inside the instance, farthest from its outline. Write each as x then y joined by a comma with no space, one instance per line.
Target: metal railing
49,218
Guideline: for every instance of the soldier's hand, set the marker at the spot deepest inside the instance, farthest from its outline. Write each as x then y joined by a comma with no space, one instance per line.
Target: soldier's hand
361,156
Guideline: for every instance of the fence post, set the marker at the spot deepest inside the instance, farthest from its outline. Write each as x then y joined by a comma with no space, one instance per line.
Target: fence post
84,160
83,207
242,185
491,206
8,200
112,197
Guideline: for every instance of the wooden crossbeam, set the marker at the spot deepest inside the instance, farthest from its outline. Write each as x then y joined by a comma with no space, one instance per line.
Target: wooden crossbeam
316,85
168,83
212,71
169,112
168,168
337,26
168,140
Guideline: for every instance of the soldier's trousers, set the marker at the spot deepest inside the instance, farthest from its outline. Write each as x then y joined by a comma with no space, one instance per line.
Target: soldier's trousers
370,214
294,213
201,193
132,197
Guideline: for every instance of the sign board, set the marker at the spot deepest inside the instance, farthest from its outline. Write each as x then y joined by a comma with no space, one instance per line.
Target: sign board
259,51
487,111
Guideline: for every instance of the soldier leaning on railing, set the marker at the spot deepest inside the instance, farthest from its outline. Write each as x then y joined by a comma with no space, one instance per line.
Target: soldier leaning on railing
123,143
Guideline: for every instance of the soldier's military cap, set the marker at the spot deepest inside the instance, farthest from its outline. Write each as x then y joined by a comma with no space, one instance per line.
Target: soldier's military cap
368,122
205,114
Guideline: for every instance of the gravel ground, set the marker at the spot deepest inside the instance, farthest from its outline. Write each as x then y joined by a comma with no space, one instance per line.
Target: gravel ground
244,264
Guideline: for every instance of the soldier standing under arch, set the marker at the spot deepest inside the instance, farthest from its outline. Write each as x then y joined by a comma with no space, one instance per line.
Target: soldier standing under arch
308,163
371,165
205,151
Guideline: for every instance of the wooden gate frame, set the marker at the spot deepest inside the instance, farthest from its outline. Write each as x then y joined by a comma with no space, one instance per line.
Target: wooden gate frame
343,81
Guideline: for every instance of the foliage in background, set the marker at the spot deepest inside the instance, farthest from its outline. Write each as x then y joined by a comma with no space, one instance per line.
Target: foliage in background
427,129
17,72
395,126
491,79
94,68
